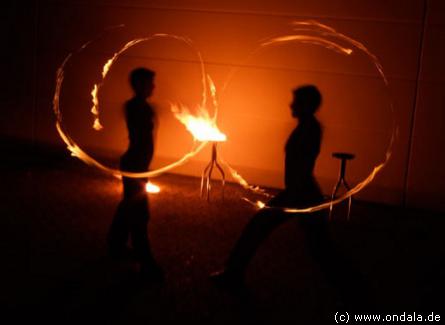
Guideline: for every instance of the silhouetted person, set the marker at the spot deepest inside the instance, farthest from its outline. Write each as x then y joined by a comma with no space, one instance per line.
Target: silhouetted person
132,215
301,190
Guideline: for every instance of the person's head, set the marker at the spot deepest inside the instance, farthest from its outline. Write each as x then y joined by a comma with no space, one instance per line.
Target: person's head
306,101
142,82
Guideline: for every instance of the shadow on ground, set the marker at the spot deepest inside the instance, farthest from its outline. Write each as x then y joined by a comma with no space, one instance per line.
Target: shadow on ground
55,218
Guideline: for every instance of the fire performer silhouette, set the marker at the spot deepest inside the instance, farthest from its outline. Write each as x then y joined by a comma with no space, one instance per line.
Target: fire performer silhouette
132,215
301,190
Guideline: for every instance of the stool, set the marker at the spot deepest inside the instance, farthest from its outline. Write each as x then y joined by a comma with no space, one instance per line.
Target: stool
344,157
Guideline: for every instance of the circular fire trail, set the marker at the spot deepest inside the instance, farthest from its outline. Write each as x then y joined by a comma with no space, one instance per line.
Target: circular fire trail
202,124
203,127
315,33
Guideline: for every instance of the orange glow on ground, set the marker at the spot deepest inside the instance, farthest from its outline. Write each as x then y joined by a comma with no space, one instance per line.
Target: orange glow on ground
152,188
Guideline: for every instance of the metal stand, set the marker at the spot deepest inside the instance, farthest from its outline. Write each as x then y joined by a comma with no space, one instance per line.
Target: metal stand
207,174
343,156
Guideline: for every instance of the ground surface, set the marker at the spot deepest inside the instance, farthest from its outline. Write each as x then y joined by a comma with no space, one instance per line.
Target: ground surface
54,219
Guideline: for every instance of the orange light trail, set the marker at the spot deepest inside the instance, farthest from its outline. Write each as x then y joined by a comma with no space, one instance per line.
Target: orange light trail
203,127
315,33
77,151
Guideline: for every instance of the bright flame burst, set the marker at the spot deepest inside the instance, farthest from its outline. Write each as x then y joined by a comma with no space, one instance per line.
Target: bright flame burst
152,188
202,127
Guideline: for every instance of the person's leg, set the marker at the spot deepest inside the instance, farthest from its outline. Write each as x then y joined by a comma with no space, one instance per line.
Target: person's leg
253,235
140,215
119,231
139,231
340,271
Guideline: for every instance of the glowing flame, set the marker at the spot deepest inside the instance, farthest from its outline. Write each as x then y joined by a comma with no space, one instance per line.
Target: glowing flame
94,110
94,99
97,126
201,126
152,188
107,66
260,204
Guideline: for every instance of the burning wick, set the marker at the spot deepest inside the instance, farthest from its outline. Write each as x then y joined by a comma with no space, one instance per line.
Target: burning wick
152,188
